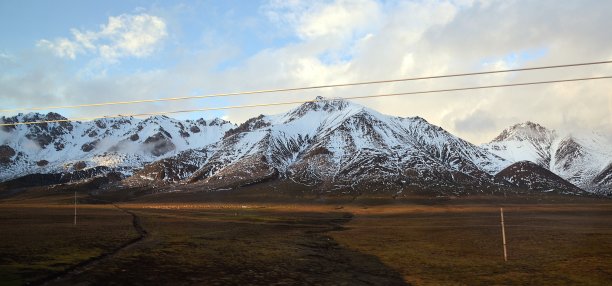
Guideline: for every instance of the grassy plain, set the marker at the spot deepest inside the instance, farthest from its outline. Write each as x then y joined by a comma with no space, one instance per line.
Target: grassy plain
558,244
38,237
222,239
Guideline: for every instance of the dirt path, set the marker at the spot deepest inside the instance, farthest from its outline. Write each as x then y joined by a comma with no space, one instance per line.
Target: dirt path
142,233
83,265
195,251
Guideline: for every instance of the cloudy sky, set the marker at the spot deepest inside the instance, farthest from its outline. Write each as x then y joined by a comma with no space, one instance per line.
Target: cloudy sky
74,52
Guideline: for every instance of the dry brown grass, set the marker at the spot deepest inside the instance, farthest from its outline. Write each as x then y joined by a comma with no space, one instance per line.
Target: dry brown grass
39,240
245,246
422,240
566,244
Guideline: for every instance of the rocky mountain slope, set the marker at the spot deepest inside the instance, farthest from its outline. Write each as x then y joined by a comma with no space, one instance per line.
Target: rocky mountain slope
529,175
334,144
583,159
119,144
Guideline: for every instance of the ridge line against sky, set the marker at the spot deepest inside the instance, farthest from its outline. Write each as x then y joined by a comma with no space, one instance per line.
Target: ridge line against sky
75,52
267,104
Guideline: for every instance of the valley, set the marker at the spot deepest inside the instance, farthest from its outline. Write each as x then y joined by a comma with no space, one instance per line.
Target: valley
240,237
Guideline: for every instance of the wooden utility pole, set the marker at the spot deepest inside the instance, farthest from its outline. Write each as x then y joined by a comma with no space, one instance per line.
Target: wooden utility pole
501,211
75,207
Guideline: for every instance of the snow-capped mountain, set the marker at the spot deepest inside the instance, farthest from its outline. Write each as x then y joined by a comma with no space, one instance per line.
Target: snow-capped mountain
524,142
326,144
581,159
332,143
121,144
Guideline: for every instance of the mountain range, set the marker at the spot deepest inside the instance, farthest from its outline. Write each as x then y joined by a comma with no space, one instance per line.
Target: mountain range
329,145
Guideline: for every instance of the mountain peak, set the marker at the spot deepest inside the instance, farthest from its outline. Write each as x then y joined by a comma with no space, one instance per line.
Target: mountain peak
155,118
524,131
320,103
329,104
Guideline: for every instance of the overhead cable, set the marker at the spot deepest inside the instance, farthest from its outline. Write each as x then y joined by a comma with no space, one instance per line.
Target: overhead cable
298,88
306,101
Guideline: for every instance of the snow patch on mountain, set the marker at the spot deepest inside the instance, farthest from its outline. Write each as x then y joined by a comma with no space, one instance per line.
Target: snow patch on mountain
577,157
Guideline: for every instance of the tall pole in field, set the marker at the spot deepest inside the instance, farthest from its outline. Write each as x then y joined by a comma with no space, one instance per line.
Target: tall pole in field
501,211
75,207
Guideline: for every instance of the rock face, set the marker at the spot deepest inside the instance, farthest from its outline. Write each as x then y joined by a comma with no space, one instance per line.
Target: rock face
160,143
89,146
582,159
6,153
173,169
80,165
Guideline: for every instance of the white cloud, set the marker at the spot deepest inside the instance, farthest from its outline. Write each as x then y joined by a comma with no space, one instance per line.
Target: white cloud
339,19
133,35
336,21
62,47
367,41
123,36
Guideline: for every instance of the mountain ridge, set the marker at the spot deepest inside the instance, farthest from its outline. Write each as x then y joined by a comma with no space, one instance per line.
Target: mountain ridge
122,143
329,144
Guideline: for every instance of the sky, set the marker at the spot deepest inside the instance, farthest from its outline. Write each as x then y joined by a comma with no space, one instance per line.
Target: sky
80,51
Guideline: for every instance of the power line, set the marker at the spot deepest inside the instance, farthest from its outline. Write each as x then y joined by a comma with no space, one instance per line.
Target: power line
305,101
299,88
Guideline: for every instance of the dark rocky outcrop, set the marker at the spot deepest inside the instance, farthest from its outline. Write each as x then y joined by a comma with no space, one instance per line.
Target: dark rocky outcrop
80,165
6,153
59,178
249,125
194,129
89,146
529,175
160,143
